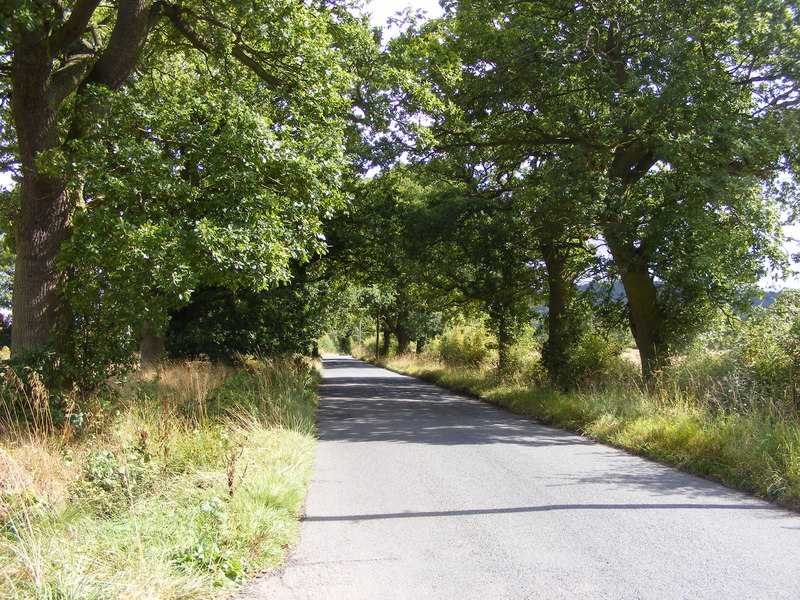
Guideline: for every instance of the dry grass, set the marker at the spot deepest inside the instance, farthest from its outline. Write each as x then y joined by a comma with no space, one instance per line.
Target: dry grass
177,488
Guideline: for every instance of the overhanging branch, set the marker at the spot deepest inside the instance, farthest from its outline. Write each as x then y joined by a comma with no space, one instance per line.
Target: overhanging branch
175,15
74,26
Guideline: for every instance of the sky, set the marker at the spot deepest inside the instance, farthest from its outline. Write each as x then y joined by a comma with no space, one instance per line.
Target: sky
381,10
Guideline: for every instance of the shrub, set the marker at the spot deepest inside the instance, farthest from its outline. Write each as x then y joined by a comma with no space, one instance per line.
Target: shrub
464,346
768,351
597,359
111,480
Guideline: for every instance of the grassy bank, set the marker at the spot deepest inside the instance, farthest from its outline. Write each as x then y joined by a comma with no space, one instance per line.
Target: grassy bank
175,485
757,450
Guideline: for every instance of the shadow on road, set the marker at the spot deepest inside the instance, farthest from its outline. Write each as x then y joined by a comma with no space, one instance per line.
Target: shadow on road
402,409
534,509
361,403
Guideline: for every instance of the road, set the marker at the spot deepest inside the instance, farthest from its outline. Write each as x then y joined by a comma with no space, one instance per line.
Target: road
419,493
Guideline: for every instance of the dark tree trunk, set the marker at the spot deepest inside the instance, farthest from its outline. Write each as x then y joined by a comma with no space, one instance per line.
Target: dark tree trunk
387,341
646,319
402,329
560,327
630,164
504,341
421,341
45,212
378,335
151,346
644,312
403,341
37,91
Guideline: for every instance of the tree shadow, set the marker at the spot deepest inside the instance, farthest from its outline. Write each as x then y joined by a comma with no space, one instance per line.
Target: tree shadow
402,409
375,405
531,509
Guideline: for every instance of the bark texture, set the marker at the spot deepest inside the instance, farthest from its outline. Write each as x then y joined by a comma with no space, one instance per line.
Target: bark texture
38,90
151,346
644,312
42,225
560,326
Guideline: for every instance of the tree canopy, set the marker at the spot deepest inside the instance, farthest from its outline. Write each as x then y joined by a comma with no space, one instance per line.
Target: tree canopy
176,158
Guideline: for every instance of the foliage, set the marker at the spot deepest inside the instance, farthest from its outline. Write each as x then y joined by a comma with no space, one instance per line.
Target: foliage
380,245
167,210
219,323
112,480
768,346
209,151
596,359
651,111
464,346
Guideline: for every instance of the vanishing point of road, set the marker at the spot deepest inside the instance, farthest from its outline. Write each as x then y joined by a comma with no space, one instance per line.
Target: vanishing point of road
419,493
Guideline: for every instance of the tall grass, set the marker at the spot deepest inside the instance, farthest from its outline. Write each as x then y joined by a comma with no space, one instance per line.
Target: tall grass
746,441
179,487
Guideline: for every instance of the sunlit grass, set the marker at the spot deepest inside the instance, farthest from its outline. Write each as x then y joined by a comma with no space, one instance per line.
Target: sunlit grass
194,481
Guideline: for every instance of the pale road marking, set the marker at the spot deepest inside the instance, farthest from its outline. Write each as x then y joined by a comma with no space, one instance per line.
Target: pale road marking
421,494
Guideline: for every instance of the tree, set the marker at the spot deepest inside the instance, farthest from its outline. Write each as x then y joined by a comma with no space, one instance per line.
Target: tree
376,245
219,323
476,247
676,110
91,88
553,192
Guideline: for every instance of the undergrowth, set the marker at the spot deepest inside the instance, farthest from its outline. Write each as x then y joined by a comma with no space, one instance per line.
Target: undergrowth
178,484
683,420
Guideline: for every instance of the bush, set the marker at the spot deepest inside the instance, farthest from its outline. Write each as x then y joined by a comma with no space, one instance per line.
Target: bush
597,359
464,346
768,351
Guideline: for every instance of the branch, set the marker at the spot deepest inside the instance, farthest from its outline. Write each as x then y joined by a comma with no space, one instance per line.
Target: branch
175,15
255,66
75,25
67,78
125,45
544,140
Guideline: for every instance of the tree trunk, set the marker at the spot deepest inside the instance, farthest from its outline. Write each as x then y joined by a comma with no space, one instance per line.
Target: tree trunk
403,343
560,326
646,319
403,339
421,341
387,341
630,164
504,340
378,335
42,225
402,329
151,346
644,312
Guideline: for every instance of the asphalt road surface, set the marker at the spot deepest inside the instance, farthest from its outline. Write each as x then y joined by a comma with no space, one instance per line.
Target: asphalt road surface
419,493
